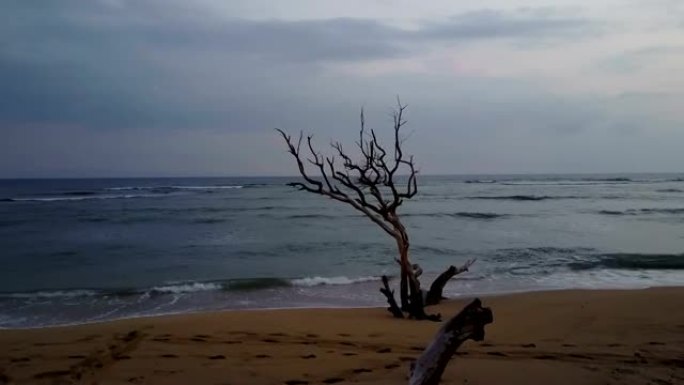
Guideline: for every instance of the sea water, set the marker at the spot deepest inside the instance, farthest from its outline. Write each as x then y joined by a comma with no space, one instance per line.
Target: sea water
87,250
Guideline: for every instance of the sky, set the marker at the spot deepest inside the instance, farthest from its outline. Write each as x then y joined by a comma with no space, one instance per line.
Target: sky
119,88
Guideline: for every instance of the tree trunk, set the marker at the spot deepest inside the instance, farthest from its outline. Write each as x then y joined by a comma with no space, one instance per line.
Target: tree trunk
468,324
403,290
411,294
417,305
404,266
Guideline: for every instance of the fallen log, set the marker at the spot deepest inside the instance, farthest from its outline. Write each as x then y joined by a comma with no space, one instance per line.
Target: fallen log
468,324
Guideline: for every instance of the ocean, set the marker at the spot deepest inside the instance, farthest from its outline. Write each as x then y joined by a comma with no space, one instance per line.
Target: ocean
88,250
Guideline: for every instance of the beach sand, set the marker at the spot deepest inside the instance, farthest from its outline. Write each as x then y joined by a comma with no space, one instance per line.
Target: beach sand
562,337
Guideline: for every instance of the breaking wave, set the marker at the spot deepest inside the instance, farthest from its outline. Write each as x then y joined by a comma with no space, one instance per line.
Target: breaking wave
317,281
631,261
188,287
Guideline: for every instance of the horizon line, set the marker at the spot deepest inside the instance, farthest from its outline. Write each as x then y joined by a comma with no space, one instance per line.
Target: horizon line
299,176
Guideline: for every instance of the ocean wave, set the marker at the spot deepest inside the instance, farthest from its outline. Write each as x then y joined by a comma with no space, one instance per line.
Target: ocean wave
189,287
480,181
563,183
469,215
425,249
164,189
619,179
51,294
341,280
670,190
79,193
225,187
643,211
314,216
119,192
477,215
209,221
73,198
630,261
522,197
255,283
611,212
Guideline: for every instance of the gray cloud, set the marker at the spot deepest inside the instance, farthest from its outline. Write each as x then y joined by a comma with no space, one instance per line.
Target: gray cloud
118,88
525,23
638,59
157,64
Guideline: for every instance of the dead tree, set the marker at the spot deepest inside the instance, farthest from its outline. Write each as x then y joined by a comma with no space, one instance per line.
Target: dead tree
468,324
372,186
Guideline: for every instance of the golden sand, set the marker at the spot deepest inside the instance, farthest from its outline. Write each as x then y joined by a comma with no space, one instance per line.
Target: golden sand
562,337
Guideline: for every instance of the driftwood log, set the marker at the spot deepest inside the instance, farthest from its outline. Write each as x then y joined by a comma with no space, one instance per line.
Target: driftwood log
435,294
466,325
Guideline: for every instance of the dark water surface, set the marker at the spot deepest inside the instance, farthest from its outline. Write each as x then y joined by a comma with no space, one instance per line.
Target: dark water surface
93,249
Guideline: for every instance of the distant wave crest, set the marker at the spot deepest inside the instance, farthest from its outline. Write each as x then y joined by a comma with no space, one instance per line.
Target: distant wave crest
480,181
647,211
52,294
470,215
162,189
73,198
519,197
120,192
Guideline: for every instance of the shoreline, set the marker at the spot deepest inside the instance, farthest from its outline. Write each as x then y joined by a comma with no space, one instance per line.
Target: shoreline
561,337
450,299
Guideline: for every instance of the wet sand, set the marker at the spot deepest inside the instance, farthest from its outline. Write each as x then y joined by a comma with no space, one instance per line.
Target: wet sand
561,337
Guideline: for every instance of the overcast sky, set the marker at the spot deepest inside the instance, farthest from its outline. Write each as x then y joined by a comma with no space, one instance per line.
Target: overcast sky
176,88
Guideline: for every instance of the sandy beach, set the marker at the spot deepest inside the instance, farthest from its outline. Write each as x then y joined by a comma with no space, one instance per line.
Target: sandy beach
562,337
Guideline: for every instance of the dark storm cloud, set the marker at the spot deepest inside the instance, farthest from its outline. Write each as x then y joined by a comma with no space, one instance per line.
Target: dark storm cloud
144,64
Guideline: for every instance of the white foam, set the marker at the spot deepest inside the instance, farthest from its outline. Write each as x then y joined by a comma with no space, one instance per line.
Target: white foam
317,281
189,287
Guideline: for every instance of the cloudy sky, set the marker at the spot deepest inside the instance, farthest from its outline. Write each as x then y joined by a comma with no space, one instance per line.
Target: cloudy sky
176,88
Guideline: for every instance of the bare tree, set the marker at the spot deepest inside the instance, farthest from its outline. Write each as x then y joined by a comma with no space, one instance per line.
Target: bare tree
376,184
